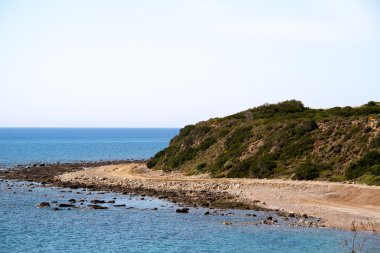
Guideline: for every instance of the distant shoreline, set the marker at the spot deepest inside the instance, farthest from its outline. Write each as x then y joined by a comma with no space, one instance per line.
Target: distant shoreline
75,163
336,204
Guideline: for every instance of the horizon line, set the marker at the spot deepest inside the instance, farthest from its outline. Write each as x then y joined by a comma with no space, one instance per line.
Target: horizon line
94,127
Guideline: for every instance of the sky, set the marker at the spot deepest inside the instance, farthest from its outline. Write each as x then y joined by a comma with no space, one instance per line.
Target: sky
169,63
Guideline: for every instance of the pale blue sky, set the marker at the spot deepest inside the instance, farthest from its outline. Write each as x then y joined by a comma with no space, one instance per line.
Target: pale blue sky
171,63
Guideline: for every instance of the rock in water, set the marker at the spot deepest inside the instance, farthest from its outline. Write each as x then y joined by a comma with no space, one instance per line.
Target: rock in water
66,205
98,207
43,204
97,201
182,210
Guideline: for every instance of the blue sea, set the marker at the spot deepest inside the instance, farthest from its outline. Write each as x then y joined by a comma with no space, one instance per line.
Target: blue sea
143,224
48,145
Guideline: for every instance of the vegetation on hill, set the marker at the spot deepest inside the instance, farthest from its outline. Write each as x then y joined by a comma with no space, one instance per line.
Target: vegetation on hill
284,140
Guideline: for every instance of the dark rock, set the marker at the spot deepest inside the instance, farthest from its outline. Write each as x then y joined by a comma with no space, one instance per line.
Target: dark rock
43,204
207,213
66,205
97,201
111,201
72,201
269,221
97,207
119,205
182,210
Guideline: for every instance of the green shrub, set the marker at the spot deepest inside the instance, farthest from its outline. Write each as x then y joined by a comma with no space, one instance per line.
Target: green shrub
308,171
238,137
305,126
337,178
375,143
363,165
208,142
186,130
375,170
297,147
155,159
241,169
371,103
370,179
181,157
271,110
201,166
261,167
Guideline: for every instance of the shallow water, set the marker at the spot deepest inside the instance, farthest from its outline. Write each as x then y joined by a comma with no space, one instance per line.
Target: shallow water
25,228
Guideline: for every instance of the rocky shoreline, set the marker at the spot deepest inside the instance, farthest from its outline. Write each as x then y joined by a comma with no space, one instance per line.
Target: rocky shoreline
50,174
46,173
212,195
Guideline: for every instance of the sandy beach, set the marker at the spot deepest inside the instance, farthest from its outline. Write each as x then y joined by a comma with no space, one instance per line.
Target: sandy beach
337,204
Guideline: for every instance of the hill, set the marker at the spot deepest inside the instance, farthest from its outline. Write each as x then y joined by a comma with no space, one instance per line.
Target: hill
284,140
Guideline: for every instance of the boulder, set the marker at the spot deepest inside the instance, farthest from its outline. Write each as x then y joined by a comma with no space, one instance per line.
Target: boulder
43,204
182,210
97,201
119,205
66,205
97,207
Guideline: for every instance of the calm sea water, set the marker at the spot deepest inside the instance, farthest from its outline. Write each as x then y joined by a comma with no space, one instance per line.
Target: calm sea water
25,228
30,145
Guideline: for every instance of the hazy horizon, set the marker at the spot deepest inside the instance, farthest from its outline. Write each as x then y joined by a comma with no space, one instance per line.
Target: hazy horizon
126,64
123,127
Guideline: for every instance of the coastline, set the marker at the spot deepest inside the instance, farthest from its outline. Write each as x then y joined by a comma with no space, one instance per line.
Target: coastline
336,204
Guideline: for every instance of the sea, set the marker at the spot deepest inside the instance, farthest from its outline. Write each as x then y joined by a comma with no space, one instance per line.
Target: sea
133,223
